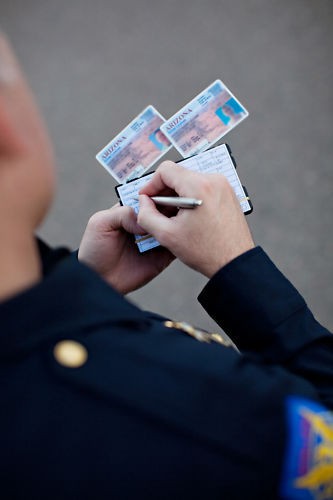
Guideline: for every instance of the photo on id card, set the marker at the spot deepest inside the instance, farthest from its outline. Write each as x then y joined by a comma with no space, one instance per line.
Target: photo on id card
204,120
137,148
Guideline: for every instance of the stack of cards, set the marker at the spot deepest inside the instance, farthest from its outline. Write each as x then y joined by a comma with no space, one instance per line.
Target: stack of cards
192,130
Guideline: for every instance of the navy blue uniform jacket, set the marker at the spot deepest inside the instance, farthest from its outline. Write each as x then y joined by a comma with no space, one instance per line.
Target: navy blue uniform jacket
154,413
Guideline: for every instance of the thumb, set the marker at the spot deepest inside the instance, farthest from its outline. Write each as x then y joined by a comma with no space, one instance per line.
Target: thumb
113,219
151,219
123,218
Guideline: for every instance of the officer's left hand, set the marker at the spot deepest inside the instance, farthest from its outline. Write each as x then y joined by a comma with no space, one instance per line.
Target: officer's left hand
108,247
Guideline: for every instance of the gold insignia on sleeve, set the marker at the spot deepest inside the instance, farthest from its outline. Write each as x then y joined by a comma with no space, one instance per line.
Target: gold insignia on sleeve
318,479
198,334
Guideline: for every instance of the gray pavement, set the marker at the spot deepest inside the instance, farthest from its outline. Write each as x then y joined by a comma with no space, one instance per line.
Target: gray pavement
95,65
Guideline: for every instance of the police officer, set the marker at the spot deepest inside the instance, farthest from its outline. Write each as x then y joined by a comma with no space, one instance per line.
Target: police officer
102,400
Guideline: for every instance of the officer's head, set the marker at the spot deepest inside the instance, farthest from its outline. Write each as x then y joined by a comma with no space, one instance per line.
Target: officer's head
26,160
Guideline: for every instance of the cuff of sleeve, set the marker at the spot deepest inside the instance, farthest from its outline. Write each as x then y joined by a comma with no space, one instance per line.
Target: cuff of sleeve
258,307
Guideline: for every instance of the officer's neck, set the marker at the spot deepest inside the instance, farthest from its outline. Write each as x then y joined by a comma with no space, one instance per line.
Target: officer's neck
20,266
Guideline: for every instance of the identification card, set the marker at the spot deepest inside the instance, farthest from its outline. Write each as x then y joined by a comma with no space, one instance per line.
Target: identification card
216,160
204,120
137,148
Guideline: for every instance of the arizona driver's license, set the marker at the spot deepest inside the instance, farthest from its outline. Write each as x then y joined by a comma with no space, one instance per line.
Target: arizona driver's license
204,120
137,148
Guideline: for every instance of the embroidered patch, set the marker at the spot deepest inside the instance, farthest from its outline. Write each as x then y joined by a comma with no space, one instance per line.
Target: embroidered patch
308,469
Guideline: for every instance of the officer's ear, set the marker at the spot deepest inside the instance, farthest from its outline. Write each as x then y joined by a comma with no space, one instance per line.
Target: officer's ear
20,122
26,156
9,138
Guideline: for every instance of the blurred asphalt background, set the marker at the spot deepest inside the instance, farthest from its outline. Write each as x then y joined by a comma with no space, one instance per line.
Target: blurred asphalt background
95,65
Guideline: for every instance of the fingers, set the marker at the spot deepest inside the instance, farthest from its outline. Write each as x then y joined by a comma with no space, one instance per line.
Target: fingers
124,218
115,218
185,183
172,176
207,237
152,220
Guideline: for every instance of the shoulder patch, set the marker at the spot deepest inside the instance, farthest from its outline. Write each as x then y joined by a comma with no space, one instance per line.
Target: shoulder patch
308,467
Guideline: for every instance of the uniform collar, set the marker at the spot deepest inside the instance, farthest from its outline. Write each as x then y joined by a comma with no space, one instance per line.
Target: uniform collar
71,298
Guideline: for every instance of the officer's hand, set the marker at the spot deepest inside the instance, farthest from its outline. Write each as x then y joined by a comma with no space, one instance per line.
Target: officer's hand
205,238
108,247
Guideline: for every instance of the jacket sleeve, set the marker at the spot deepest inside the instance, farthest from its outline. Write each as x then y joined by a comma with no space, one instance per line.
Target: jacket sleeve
267,318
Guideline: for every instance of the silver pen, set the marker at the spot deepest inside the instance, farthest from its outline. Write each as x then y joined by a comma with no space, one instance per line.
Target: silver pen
175,201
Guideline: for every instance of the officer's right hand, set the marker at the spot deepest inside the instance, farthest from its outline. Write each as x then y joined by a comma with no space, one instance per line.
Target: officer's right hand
205,238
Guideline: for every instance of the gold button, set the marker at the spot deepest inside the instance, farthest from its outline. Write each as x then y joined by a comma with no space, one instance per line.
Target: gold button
70,353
